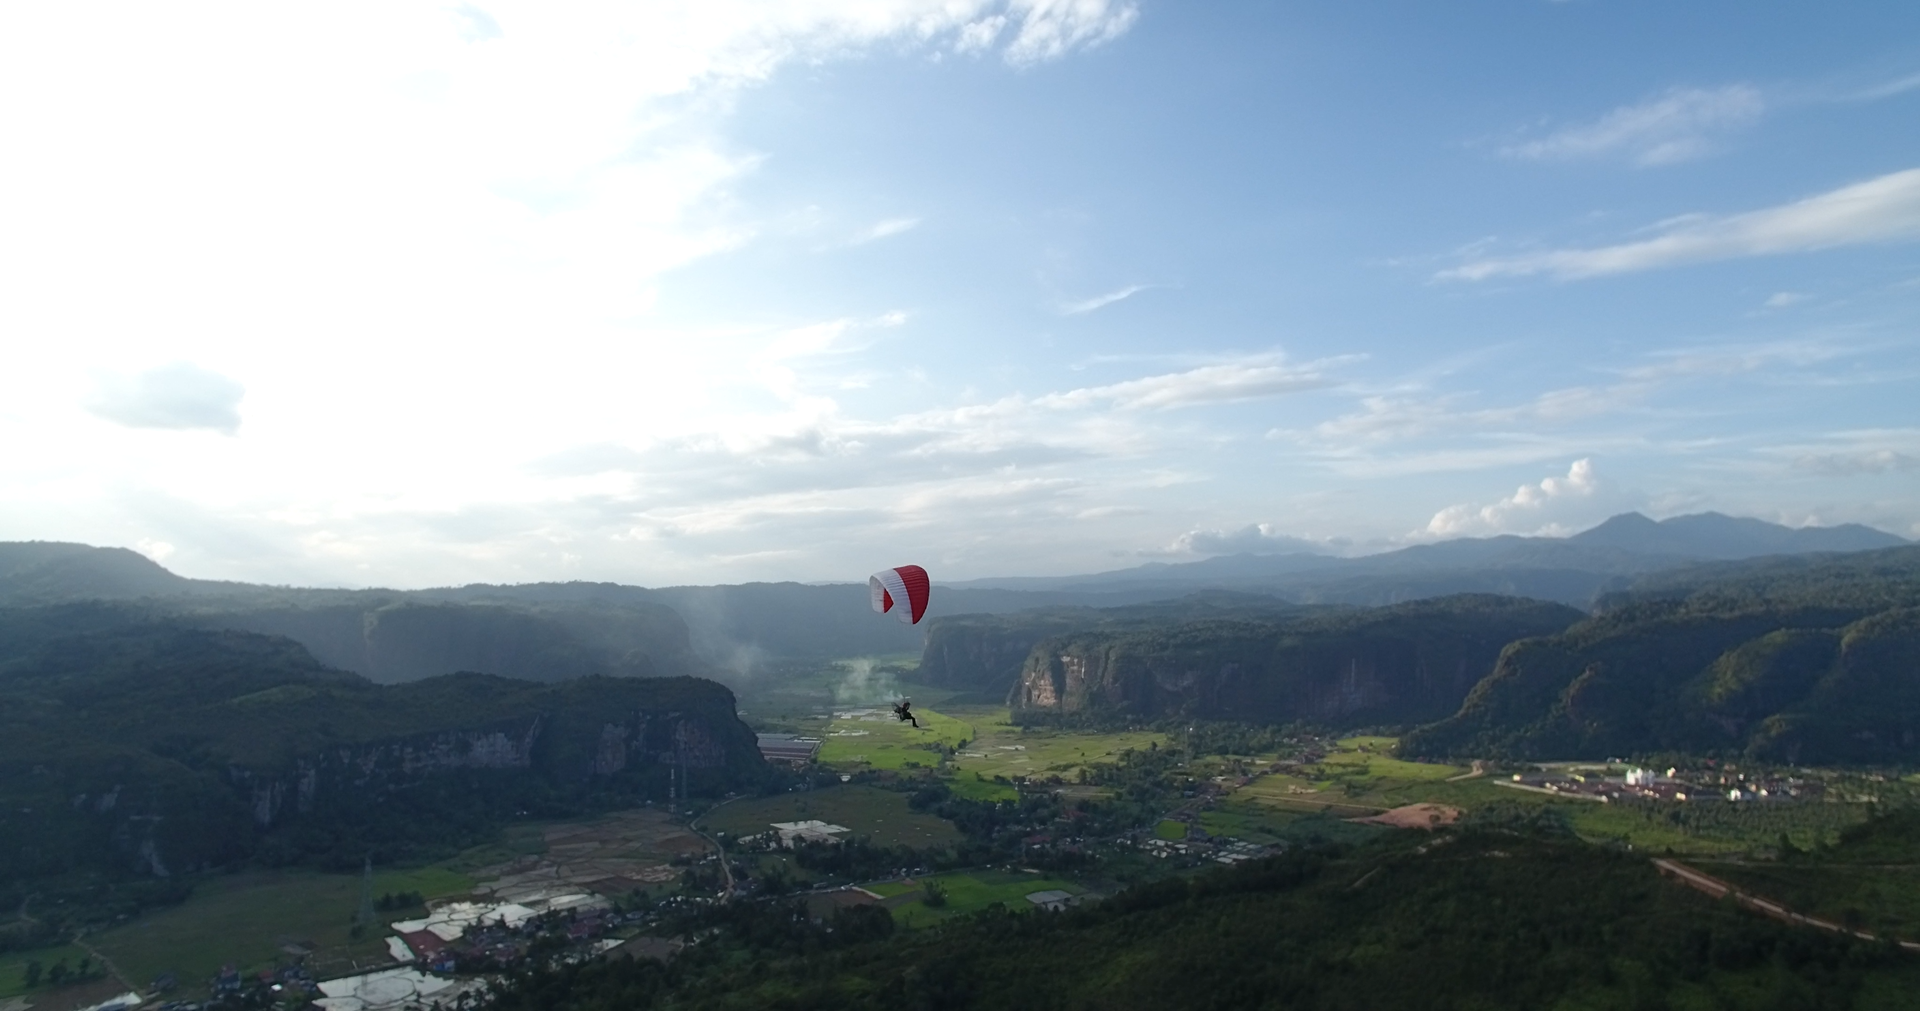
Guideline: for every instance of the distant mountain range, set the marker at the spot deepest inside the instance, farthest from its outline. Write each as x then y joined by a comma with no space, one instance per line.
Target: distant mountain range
1571,570
548,631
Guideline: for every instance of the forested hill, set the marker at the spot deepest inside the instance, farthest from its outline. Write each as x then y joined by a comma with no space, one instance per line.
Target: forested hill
1492,922
983,653
537,633
1803,660
153,747
1403,664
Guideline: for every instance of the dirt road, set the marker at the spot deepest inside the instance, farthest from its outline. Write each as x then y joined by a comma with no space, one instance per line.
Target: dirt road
1717,888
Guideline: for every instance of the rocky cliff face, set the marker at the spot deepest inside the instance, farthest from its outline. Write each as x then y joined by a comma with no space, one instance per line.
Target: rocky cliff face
638,744
984,653
1404,664
160,748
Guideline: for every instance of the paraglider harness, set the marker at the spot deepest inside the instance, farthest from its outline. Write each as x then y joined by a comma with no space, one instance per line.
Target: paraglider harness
904,710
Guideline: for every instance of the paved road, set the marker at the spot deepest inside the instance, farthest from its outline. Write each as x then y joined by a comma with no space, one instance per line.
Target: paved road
1767,907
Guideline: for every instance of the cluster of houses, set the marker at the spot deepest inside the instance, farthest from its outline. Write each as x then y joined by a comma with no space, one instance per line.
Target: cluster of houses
788,749
1198,846
1601,783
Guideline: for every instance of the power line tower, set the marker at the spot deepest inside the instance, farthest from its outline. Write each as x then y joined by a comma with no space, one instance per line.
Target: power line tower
364,917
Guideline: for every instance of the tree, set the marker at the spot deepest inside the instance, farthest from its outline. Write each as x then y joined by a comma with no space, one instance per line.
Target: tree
33,973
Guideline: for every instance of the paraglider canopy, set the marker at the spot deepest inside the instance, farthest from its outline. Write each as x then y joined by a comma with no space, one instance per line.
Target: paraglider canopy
901,590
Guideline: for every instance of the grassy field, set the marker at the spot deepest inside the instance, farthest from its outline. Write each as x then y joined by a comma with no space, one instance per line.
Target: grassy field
970,892
973,787
799,696
1261,823
889,889
881,815
1001,749
243,920
1170,829
13,966
1359,778
871,737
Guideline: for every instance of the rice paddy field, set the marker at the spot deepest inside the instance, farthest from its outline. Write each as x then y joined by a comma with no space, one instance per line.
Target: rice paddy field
871,737
1359,778
999,748
880,815
966,893
250,920
13,966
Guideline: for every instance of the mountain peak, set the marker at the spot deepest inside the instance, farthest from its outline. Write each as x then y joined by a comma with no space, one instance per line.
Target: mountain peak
1719,536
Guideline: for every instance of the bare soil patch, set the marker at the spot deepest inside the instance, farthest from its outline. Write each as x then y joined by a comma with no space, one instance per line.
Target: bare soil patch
1427,816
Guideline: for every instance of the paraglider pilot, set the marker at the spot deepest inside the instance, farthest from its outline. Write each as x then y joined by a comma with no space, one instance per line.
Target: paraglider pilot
904,710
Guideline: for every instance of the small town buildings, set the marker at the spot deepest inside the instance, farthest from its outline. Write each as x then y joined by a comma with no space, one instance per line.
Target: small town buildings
788,749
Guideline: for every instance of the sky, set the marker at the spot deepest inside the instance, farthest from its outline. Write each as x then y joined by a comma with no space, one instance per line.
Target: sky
415,294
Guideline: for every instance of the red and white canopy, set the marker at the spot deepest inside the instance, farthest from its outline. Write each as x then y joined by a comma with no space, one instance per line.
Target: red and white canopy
906,586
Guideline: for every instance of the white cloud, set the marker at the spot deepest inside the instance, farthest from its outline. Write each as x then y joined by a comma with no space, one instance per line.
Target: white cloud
430,237
1098,301
1678,126
885,229
177,396
1253,539
1888,89
1870,461
1782,299
1853,453
1524,510
1208,384
1050,29
1880,210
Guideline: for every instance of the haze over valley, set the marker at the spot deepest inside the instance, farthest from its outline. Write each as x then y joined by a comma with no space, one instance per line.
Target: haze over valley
959,504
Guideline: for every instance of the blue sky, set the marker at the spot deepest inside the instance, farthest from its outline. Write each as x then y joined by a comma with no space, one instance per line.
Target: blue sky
658,293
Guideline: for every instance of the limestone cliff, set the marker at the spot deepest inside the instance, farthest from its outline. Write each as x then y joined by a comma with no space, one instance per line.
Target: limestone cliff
1395,665
161,748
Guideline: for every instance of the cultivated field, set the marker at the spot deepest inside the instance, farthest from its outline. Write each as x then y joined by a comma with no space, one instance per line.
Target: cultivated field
967,893
1000,749
871,737
1358,779
13,966
880,815
251,920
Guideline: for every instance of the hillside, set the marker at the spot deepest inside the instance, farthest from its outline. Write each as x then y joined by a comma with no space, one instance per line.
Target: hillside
388,636
1408,663
983,653
156,747
1477,921
550,631
1804,660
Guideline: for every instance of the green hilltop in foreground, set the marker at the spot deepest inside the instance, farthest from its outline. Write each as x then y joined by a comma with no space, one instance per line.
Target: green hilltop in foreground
1481,920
